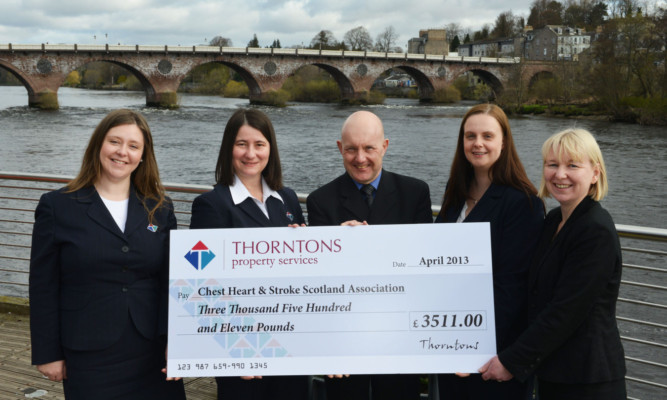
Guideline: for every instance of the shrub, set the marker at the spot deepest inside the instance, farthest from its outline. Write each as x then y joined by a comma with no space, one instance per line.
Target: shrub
532,109
277,98
236,89
450,94
372,97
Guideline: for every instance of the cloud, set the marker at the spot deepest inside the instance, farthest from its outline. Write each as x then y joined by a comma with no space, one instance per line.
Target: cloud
188,23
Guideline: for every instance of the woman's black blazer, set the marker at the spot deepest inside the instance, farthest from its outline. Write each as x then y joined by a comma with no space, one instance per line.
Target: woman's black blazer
216,209
516,222
573,287
86,275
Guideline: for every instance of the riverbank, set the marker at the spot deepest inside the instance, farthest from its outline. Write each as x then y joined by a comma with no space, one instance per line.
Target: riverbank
649,114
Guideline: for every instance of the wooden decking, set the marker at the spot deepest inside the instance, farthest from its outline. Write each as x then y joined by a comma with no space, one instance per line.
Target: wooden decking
18,377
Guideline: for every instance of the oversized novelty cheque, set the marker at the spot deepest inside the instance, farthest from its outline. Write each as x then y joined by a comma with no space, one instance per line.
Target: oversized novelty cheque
330,300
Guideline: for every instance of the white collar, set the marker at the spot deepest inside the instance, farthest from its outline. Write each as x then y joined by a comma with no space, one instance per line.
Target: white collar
239,192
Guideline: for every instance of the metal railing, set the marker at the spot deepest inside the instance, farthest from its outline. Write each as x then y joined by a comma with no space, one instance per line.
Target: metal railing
641,308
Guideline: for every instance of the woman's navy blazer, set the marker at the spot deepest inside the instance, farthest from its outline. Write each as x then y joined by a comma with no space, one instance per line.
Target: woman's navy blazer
86,275
516,222
216,209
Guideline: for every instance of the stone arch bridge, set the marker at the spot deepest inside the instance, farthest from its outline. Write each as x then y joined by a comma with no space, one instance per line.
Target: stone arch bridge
42,68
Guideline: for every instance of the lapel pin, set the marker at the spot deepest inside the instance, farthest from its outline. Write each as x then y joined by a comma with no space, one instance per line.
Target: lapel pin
289,216
152,228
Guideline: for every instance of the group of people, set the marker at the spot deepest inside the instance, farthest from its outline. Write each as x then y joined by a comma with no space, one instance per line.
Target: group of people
99,261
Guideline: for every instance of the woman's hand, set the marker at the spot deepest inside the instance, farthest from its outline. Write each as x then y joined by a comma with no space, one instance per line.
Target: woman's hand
353,222
164,370
494,369
250,377
53,371
338,376
297,225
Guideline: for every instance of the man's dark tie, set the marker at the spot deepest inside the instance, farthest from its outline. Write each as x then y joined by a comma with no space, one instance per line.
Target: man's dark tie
368,190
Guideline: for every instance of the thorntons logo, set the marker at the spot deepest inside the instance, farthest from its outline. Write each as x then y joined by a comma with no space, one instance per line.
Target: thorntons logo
199,256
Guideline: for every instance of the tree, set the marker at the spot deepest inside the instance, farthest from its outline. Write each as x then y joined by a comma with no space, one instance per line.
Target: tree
466,39
358,39
455,44
623,8
324,40
275,44
514,94
506,26
453,30
254,42
574,16
73,79
385,41
482,34
220,41
597,15
545,12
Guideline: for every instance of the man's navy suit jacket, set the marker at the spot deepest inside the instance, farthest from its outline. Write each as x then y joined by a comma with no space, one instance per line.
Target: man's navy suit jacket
399,199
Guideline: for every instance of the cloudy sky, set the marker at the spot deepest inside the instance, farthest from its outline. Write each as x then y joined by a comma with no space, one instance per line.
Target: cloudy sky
175,22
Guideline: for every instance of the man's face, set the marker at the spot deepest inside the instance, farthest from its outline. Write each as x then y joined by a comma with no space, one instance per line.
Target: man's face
362,146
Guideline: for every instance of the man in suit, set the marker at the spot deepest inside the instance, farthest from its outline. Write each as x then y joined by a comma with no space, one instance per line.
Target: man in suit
367,194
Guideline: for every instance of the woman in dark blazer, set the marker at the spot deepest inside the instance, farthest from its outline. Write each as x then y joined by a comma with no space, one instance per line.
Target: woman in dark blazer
249,193
572,343
488,183
99,270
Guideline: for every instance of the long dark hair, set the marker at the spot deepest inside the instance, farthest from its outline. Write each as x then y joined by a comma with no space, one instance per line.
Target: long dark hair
224,172
507,170
145,178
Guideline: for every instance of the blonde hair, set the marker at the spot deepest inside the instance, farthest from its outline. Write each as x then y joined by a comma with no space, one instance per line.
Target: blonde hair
577,145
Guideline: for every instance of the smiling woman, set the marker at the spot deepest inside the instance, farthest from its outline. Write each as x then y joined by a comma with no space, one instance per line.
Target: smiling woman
488,183
98,271
250,194
572,343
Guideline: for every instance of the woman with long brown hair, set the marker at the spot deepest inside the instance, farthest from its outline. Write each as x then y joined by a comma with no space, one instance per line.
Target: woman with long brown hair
488,183
99,271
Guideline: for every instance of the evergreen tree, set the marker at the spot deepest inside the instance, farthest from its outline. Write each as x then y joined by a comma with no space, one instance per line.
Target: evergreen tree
254,42
455,44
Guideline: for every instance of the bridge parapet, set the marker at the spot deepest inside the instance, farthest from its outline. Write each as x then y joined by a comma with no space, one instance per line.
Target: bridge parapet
109,48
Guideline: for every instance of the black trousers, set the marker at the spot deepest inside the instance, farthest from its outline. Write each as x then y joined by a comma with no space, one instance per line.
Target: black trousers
376,387
614,390
267,388
451,387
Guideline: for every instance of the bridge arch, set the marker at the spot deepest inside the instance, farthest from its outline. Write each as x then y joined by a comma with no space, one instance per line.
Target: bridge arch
347,91
540,75
254,88
146,84
424,84
489,79
18,74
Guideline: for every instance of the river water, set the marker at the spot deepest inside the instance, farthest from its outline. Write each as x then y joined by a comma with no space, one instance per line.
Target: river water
421,143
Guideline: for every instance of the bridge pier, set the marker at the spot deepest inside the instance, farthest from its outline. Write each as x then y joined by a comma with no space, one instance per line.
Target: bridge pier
166,99
45,100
